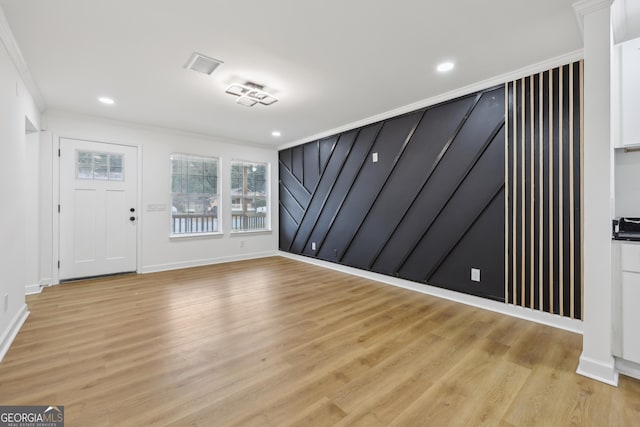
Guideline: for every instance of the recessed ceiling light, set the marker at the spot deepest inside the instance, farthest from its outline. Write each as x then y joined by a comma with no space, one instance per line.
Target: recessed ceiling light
445,66
106,100
276,133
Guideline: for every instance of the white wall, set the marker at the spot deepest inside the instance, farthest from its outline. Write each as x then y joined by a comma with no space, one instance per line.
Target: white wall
158,251
16,104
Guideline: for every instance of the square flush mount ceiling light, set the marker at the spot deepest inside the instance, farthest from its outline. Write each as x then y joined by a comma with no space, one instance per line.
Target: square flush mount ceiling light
251,94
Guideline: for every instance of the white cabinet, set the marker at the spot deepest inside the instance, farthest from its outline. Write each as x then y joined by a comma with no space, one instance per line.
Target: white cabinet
630,257
630,93
630,316
630,301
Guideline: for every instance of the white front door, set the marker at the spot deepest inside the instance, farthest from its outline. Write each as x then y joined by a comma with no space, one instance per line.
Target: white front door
98,212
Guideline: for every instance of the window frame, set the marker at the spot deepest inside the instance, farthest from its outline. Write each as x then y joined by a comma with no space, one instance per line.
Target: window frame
108,166
267,196
218,194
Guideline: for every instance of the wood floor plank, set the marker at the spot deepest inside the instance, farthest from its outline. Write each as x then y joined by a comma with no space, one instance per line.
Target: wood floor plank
277,342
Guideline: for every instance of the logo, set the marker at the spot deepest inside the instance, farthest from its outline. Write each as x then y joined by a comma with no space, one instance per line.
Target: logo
31,416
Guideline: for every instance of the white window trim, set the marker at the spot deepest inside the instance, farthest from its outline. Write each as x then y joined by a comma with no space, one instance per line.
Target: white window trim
268,229
220,180
196,235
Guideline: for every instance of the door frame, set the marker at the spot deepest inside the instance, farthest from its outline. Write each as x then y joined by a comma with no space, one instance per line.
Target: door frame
56,199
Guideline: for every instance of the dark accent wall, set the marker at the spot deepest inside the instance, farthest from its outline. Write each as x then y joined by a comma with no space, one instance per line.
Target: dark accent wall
431,208
544,126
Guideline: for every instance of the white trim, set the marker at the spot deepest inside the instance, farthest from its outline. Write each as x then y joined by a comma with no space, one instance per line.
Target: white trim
206,261
594,369
55,200
10,43
213,234
61,113
235,233
37,288
32,289
548,319
140,207
475,87
585,7
626,367
13,329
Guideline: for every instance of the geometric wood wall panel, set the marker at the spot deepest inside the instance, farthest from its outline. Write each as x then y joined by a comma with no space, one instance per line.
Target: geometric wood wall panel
544,127
430,208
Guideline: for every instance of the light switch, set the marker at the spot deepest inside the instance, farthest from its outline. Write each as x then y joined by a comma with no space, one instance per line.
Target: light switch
475,274
374,157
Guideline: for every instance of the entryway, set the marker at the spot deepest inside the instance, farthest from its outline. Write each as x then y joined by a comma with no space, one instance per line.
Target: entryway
98,210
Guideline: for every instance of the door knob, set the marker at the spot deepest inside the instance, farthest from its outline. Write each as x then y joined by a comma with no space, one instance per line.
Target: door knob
132,210
132,218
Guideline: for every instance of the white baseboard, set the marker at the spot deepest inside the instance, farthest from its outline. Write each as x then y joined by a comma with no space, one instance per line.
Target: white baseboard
10,334
572,325
37,288
628,368
207,261
601,371
32,289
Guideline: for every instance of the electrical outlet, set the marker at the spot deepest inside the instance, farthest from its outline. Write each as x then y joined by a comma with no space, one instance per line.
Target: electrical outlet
335,253
475,274
313,246
6,302
374,157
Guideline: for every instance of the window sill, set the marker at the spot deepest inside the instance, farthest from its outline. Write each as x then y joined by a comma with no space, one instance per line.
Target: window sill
243,232
216,234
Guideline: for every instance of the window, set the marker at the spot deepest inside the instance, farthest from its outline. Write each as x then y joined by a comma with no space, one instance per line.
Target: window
99,166
195,191
249,196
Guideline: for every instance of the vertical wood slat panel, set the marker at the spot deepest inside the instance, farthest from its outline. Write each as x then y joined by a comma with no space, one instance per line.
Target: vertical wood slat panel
540,196
515,190
506,192
551,205
523,198
560,191
533,244
531,195
581,106
571,201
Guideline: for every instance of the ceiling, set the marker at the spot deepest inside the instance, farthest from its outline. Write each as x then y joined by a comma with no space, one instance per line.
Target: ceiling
330,62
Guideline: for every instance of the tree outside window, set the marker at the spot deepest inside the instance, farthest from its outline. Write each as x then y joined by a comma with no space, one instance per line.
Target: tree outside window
249,196
194,194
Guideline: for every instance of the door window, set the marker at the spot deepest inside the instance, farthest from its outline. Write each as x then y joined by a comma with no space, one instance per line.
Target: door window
99,166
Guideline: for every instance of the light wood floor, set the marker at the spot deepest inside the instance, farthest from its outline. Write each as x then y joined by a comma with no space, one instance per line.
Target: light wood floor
276,342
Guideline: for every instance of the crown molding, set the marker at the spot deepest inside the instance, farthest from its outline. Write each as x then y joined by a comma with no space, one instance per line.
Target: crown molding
10,43
466,90
585,7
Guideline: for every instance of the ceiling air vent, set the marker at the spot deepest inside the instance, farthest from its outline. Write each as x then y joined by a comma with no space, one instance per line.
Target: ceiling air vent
202,63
